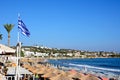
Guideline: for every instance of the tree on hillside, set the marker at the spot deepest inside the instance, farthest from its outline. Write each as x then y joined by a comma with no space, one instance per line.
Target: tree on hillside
8,28
0,36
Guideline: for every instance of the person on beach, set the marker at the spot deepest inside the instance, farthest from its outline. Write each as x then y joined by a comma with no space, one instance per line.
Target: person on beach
36,77
85,69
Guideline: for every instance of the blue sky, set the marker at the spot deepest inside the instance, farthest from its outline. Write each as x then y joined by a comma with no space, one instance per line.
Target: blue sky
92,25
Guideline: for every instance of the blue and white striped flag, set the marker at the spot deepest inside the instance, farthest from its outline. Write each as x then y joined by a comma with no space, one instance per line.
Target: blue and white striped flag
23,28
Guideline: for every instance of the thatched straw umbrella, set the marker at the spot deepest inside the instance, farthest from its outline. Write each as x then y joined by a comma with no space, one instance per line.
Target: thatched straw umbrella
72,71
51,72
26,66
42,71
61,77
30,60
38,65
31,68
48,75
24,60
35,71
76,76
89,77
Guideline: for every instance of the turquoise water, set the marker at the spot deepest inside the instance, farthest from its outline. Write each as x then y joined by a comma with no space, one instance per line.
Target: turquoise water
105,66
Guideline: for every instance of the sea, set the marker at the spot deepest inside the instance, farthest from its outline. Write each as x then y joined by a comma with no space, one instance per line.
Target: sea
107,67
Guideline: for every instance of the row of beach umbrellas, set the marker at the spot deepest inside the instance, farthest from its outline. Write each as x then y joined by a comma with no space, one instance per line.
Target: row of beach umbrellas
51,73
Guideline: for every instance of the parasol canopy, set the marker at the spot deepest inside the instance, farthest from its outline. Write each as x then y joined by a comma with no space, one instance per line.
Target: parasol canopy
5,49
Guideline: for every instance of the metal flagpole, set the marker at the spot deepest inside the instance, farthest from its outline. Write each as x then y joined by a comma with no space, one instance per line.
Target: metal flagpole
18,52
26,32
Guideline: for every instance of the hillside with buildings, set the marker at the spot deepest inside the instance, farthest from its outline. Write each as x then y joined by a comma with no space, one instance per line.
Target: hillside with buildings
39,51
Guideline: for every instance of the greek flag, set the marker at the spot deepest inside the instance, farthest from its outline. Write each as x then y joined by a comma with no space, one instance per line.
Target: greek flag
23,28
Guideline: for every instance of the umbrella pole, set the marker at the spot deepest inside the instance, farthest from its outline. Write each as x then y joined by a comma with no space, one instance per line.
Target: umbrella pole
33,77
44,78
